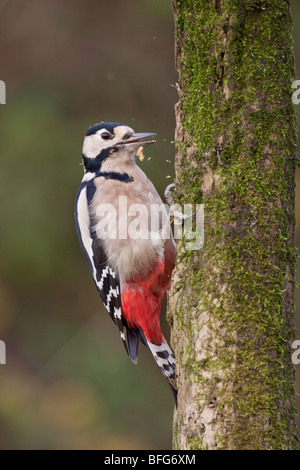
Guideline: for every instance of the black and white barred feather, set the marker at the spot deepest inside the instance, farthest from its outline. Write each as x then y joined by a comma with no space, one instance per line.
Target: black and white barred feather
105,278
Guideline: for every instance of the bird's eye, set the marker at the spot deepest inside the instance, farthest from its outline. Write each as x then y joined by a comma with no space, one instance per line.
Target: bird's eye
105,135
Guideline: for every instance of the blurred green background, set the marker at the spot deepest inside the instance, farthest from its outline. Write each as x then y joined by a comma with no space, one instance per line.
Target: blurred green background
67,65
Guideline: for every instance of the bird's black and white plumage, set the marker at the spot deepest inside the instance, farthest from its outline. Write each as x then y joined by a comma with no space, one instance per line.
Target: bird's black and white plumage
131,266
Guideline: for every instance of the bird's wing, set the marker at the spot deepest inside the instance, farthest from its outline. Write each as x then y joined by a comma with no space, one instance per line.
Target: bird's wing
105,278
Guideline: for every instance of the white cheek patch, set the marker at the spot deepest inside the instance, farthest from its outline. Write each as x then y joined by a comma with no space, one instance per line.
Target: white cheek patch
91,146
94,144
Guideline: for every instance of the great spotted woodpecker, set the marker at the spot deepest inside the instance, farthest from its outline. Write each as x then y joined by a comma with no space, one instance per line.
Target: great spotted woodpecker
131,258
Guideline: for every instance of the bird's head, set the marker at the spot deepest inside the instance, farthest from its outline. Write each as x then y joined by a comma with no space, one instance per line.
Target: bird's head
111,140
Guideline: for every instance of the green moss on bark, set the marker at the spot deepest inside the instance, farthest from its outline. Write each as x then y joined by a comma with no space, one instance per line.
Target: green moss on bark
236,68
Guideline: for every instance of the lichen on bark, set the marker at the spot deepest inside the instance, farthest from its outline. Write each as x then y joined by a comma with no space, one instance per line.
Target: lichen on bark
231,303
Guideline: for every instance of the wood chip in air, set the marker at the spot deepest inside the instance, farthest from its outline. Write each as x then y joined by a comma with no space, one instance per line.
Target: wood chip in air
140,154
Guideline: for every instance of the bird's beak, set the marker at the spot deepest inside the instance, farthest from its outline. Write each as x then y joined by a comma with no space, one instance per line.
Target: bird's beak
137,140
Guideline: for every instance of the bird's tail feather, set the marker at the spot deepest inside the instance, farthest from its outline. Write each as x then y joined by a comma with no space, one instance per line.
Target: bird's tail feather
132,345
165,360
162,354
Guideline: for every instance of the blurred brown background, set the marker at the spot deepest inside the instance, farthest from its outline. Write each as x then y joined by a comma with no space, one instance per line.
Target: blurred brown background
67,65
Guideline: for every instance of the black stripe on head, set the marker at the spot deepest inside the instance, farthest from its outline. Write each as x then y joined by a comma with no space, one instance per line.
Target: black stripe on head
94,164
103,125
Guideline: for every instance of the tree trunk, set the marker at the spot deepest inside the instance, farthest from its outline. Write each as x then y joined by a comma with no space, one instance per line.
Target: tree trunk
231,302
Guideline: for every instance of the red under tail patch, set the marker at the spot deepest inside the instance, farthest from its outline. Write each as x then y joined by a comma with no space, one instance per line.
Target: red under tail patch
141,299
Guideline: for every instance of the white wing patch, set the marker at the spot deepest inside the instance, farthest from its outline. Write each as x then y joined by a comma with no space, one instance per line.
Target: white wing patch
83,220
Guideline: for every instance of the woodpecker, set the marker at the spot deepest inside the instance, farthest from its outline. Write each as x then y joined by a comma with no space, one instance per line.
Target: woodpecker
131,267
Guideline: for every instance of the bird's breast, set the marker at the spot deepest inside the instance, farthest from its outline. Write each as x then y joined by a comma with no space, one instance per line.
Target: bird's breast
129,220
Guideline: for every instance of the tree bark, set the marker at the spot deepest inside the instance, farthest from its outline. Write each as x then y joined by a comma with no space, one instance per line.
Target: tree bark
231,303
